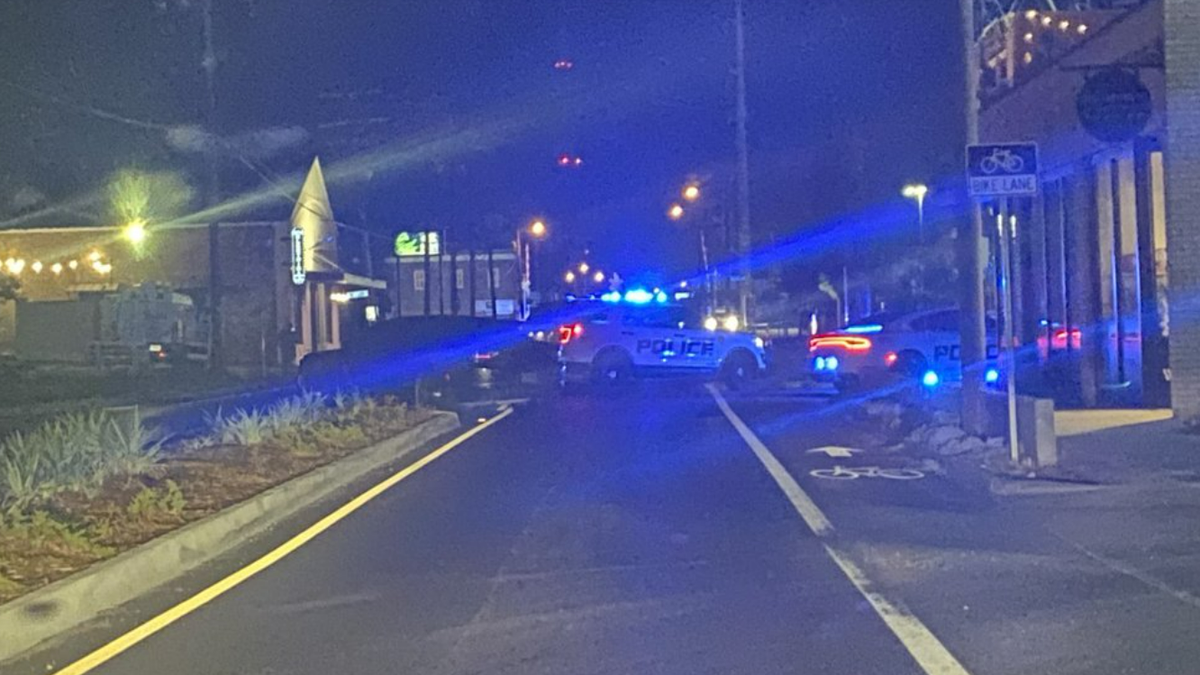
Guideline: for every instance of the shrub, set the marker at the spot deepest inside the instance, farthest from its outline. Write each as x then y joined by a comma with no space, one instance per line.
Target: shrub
153,504
244,427
77,451
43,530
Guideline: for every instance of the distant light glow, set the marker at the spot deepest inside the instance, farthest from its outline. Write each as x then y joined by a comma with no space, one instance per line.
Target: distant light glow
992,376
819,363
863,329
832,363
135,231
584,267
57,268
74,264
930,379
639,296
691,193
598,277
611,296
710,323
660,297
890,359
675,212
731,323
569,277
36,267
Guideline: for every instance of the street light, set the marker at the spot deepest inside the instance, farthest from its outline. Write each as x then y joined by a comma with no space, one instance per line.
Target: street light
917,192
675,212
691,192
135,231
583,268
569,277
598,277
537,229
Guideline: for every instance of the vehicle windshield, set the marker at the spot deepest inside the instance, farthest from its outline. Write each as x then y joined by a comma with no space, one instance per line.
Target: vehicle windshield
589,337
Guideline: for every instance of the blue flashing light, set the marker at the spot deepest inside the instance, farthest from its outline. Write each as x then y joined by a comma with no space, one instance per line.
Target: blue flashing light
639,296
930,379
611,296
992,376
863,329
832,363
819,363
660,297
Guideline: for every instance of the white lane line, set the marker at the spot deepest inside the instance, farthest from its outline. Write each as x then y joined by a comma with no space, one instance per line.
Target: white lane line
921,643
813,517
925,648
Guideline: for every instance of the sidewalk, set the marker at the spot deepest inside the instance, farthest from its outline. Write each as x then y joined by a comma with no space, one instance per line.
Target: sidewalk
1126,446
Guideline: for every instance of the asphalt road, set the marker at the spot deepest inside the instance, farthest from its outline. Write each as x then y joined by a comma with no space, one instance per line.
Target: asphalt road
637,532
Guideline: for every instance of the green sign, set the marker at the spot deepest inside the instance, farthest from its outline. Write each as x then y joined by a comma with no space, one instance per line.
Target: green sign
410,244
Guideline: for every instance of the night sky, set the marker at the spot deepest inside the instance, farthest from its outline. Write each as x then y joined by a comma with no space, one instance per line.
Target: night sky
457,108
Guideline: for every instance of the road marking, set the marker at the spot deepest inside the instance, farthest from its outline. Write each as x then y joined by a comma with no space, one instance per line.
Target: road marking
925,648
170,616
816,520
833,451
853,472
921,643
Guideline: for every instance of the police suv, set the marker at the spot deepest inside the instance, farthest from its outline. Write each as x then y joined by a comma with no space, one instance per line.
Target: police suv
883,348
614,341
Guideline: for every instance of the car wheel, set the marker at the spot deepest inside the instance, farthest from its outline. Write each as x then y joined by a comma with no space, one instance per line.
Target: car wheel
738,369
612,368
910,365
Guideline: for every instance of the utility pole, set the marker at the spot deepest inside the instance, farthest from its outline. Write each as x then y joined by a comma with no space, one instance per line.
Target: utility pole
208,64
744,238
971,253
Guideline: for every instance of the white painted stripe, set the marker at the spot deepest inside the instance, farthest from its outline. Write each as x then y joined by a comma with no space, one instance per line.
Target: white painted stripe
925,648
813,517
921,643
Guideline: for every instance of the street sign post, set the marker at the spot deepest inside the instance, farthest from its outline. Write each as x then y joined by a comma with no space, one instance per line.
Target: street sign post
1000,171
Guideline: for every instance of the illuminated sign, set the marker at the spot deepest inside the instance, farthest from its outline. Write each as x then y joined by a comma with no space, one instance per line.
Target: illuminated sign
347,296
410,244
299,274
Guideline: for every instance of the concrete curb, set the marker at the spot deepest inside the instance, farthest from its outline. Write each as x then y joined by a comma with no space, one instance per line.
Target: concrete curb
67,603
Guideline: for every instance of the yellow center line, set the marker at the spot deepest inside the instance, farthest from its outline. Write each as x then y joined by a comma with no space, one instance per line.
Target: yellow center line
170,616
925,648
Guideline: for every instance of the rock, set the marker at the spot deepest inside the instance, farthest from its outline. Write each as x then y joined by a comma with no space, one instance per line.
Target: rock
962,446
939,436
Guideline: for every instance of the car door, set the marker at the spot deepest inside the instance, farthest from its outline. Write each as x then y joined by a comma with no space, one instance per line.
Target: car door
663,340
940,339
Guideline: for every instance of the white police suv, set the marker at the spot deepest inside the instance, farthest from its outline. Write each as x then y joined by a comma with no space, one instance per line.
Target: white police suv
883,348
638,333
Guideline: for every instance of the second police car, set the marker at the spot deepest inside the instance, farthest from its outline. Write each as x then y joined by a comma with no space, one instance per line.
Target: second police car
884,348
640,333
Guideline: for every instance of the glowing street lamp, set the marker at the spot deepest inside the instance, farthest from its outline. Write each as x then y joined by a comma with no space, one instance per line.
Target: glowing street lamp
598,277
135,231
569,277
917,192
691,193
675,212
538,229
583,268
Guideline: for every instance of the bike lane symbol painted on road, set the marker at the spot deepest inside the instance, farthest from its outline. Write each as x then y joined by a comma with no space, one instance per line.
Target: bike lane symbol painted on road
856,472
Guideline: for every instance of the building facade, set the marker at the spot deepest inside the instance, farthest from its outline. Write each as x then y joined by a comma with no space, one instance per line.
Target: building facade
258,301
458,284
1093,252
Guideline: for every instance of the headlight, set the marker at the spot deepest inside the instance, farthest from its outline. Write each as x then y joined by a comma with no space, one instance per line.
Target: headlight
710,323
731,323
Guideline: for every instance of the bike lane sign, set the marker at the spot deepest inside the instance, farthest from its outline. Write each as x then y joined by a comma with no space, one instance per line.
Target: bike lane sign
1002,169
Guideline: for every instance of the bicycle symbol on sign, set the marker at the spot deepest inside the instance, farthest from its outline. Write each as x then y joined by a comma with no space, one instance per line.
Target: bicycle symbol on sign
855,472
1002,158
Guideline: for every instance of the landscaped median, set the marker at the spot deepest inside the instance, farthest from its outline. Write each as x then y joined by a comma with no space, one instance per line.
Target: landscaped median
94,512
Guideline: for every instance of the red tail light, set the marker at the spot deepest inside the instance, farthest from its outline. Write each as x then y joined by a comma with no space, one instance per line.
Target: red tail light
565,333
851,343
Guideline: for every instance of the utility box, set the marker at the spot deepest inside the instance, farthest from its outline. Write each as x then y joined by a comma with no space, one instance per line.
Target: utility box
1037,439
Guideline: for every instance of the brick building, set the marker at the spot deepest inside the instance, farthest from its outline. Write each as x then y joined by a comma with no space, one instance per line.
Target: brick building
263,319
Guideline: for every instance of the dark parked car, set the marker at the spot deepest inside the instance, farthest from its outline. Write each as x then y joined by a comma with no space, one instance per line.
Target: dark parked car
437,356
